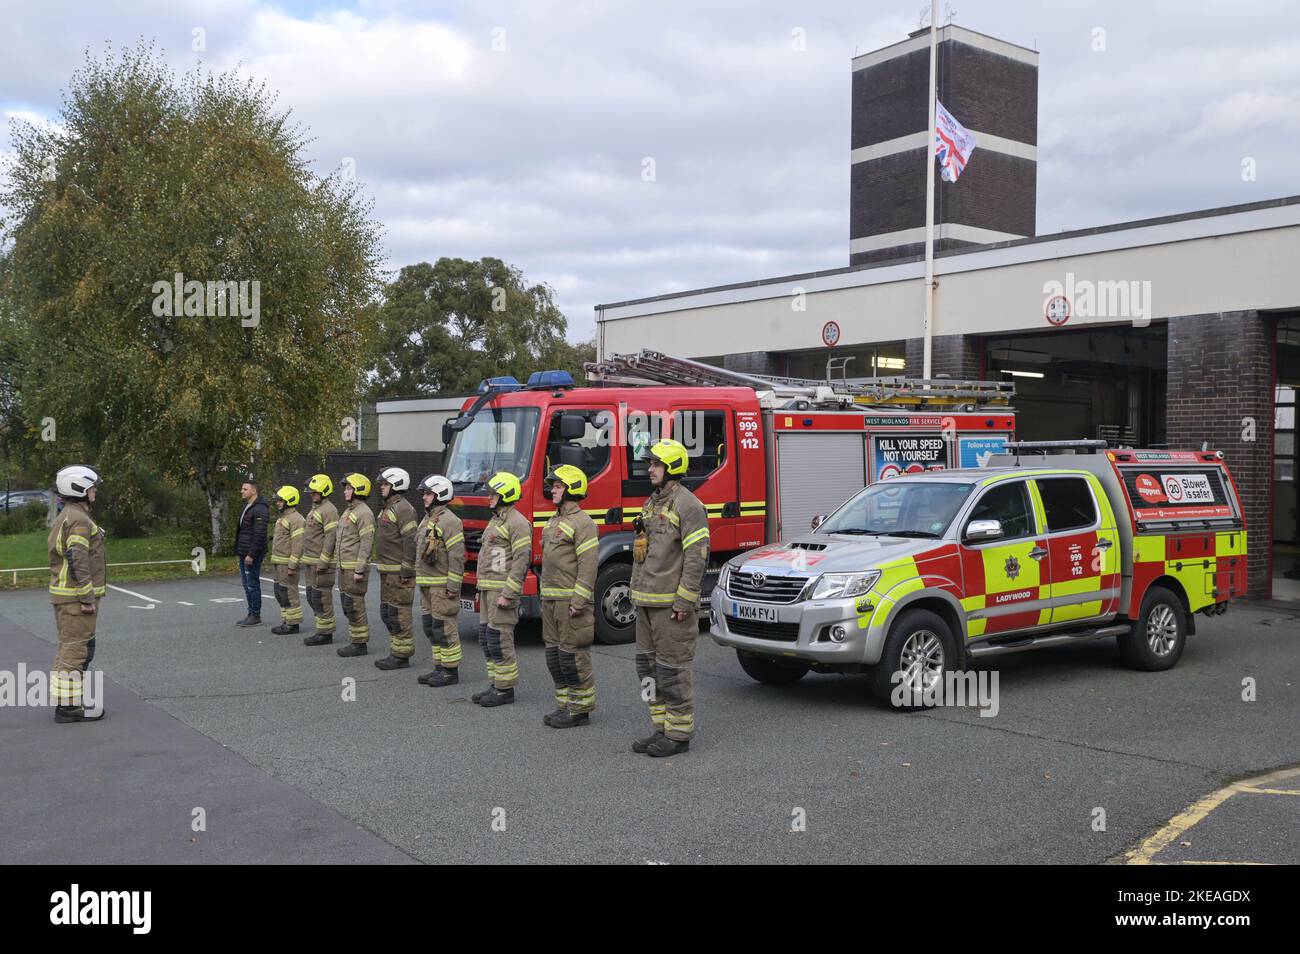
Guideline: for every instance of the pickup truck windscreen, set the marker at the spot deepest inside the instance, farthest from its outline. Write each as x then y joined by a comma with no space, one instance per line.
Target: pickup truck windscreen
900,508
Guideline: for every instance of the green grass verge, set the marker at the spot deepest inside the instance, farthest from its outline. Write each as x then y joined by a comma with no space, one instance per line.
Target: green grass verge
29,549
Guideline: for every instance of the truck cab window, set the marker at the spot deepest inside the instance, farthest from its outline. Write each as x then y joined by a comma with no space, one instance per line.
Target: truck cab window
1068,503
582,440
1008,504
705,435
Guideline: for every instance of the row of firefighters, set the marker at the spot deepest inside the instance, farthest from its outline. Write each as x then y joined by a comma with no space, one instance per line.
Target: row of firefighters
670,553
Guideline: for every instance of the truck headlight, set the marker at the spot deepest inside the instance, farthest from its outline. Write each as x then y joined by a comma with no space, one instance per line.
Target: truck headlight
838,585
724,578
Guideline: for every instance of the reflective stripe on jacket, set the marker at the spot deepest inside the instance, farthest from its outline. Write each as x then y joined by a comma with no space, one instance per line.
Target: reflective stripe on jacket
287,543
71,580
321,535
569,545
440,549
356,534
395,551
503,554
677,526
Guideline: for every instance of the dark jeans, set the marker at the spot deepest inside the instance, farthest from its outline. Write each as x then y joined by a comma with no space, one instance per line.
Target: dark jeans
250,576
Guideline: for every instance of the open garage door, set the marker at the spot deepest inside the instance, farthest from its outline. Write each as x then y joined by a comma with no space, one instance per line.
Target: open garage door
1106,383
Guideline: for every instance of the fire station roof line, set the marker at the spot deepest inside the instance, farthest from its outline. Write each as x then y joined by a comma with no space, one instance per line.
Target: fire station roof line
1268,214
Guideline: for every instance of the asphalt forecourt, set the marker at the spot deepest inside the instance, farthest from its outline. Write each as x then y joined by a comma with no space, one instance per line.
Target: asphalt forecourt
1076,759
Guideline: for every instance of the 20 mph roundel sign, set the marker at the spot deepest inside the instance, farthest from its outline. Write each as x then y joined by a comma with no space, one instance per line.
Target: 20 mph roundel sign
831,334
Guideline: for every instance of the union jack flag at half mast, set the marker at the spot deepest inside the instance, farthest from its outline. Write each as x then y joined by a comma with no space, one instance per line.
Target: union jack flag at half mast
953,144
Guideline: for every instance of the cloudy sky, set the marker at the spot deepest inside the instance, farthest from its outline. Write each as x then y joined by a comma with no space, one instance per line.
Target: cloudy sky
521,129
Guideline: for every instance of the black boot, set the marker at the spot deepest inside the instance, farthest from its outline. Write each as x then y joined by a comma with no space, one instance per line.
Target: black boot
546,719
353,649
568,720
477,698
443,677
665,746
318,639
497,697
392,661
424,680
285,629
642,746
250,620
75,714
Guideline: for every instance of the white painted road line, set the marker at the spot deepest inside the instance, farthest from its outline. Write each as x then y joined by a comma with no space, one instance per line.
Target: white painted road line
183,603
139,596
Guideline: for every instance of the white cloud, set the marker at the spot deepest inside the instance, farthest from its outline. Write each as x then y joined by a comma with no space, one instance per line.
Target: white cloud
534,153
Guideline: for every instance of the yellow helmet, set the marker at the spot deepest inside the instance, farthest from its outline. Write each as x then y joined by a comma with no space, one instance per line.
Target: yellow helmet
574,480
672,454
506,486
289,495
321,484
359,483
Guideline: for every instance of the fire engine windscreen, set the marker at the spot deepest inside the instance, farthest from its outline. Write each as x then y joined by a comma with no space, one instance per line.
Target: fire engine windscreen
900,508
497,439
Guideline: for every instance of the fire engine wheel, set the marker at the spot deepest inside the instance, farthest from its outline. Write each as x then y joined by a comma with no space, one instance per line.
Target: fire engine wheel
773,672
1159,633
920,645
615,614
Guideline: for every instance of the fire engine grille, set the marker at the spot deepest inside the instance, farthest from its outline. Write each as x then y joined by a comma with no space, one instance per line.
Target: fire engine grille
786,632
765,587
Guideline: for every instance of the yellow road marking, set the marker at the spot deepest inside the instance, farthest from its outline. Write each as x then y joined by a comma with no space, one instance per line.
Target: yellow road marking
1198,812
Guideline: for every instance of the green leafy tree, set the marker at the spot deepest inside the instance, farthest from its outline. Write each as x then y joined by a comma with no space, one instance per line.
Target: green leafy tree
446,326
146,176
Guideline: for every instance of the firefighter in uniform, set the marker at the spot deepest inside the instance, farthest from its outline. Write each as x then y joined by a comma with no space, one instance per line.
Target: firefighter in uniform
568,580
286,557
76,547
352,550
318,558
502,565
669,555
395,557
439,569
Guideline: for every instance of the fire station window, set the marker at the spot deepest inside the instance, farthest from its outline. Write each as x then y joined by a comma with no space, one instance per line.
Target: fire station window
588,451
1068,503
1009,505
705,435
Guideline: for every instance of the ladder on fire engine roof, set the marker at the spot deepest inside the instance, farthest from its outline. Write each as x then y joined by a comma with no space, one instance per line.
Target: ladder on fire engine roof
653,367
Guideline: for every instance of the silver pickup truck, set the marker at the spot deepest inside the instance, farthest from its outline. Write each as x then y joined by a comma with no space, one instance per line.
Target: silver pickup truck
915,576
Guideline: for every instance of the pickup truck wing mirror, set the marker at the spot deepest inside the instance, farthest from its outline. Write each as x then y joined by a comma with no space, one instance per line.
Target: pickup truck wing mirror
818,520
981,531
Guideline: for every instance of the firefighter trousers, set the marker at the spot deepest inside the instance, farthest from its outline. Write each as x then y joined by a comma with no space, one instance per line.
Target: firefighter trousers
665,655
441,619
286,594
568,654
352,597
497,637
75,651
395,596
320,597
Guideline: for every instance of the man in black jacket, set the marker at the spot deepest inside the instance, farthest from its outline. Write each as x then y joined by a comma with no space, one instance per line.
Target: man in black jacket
250,548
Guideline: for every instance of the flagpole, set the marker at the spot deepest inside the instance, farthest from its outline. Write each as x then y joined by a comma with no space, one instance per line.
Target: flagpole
928,328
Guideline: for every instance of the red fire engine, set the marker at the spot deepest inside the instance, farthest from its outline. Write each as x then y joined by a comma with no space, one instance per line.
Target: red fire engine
766,454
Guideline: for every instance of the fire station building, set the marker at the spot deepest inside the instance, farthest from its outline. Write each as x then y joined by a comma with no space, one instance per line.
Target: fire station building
1172,332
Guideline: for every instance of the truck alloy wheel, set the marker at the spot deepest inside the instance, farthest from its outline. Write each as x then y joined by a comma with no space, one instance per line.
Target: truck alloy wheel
1157,637
921,647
